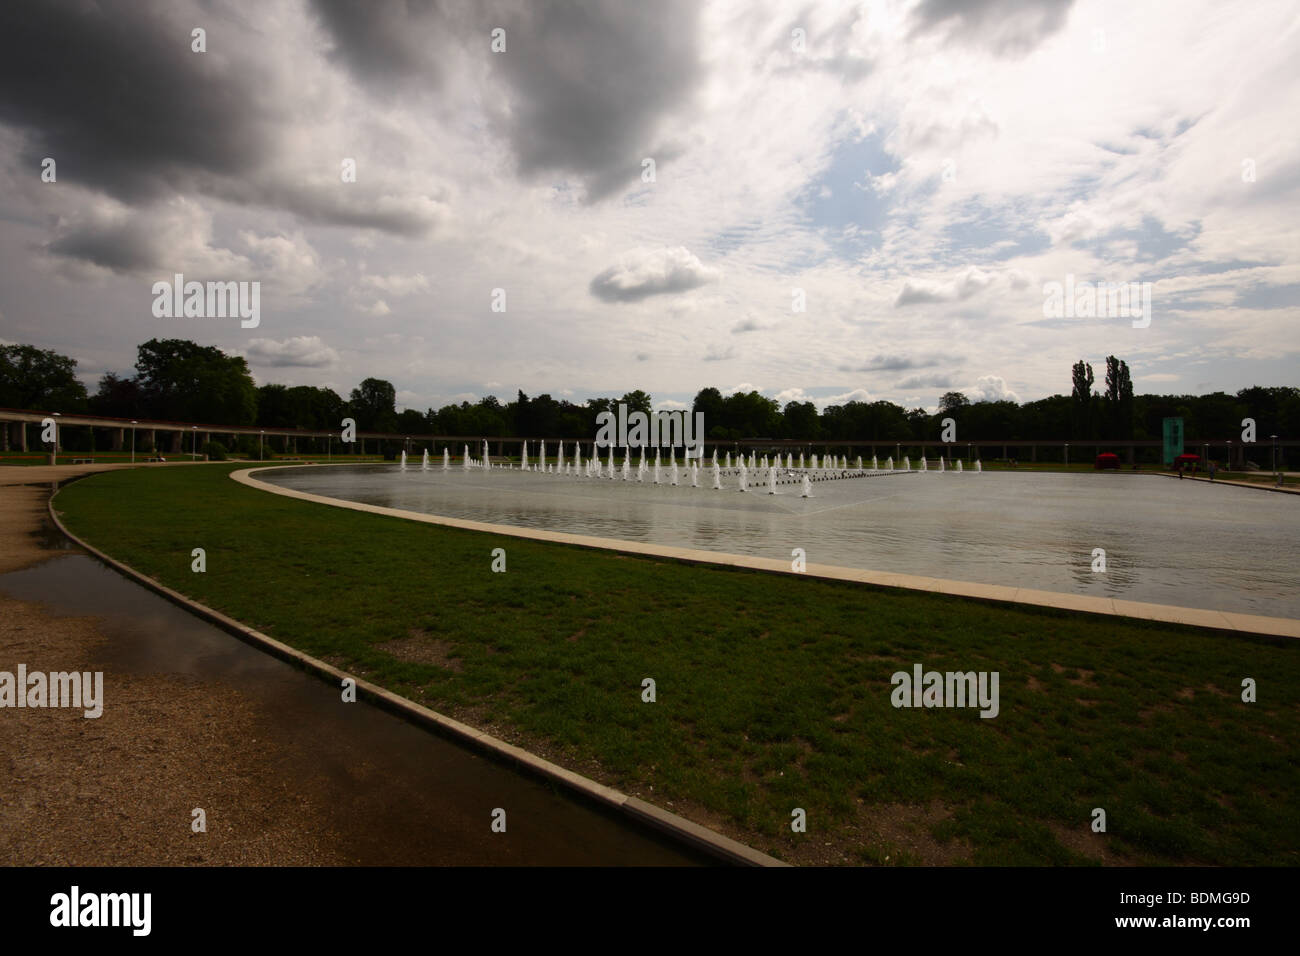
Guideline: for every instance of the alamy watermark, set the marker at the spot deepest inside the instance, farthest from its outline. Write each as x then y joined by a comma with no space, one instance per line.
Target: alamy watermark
1088,300
953,689
215,300
74,689
639,430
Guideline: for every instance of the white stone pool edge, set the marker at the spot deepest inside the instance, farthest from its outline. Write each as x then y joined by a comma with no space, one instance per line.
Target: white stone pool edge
1229,621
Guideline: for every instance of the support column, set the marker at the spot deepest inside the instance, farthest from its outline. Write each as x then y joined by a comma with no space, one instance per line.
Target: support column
118,439
1033,452
4,437
177,437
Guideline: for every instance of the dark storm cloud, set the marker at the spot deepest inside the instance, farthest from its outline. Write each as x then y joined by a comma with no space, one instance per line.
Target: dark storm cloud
123,247
1007,27
591,83
386,42
112,91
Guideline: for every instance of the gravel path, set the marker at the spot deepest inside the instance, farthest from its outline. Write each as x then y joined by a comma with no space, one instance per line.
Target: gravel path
120,789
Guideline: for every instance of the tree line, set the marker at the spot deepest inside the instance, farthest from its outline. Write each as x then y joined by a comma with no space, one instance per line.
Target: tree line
179,380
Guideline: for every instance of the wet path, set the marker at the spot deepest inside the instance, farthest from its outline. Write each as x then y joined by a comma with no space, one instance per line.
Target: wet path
390,793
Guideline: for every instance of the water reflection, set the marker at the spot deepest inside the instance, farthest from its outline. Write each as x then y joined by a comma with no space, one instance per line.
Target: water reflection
1182,543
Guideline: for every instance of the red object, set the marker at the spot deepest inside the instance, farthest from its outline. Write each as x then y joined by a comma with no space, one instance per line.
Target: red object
1107,460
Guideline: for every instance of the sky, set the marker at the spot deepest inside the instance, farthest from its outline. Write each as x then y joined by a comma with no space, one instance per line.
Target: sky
586,199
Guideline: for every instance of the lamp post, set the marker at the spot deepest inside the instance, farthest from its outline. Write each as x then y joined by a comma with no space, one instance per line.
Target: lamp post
1229,468
260,438
133,424
195,430
1274,437
1067,454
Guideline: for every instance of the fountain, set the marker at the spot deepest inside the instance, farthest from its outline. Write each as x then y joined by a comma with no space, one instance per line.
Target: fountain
889,463
941,466
874,465
771,481
800,459
559,462
924,467
959,465
744,475
695,474
978,467
612,476
466,461
403,468
577,458
717,475
446,457
807,487
487,459
857,463
424,462
627,463
523,457
640,468
728,461
656,466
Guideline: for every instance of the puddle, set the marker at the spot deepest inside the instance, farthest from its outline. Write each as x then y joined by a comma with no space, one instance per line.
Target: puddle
435,802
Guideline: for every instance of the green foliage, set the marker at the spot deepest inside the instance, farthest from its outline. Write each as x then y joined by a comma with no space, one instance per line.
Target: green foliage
215,451
374,405
183,381
39,379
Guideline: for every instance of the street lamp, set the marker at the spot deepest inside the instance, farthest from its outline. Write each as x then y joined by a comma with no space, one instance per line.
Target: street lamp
1274,437
1067,454
260,438
1229,468
133,424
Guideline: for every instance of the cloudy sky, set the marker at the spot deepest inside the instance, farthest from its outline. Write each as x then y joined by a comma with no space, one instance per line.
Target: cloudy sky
919,170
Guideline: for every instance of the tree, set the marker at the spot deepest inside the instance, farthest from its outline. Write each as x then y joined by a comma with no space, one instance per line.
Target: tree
637,401
118,397
712,405
39,379
802,421
184,381
373,404
1081,423
1118,399
952,401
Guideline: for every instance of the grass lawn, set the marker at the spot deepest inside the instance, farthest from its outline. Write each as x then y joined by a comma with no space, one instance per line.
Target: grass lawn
773,690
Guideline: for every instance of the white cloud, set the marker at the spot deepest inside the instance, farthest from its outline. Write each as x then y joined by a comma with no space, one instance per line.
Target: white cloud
642,273
991,388
398,285
303,351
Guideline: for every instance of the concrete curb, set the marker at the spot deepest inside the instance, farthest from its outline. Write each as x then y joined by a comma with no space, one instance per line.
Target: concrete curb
1227,621
677,827
1229,483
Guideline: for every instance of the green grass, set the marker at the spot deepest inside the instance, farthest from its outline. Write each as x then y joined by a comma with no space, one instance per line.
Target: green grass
773,690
